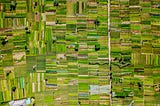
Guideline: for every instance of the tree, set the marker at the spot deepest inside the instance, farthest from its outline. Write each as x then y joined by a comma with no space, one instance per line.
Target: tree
139,85
28,32
26,48
97,47
7,74
13,88
26,28
4,42
96,22
35,4
56,3
76,47
54,39
13,5
158,6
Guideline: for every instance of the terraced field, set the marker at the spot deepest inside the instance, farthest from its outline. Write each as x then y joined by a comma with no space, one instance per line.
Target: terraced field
55,53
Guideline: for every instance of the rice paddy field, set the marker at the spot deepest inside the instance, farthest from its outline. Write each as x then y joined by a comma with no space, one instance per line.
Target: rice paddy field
56,53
